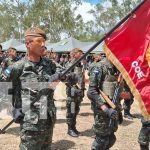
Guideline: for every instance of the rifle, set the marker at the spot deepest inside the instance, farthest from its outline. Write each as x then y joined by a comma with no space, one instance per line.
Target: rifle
2,131
94,46
116,100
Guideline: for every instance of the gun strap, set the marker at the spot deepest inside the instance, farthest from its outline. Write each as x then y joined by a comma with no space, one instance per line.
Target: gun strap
106,98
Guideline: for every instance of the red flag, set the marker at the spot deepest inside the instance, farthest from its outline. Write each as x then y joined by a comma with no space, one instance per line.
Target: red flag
128,47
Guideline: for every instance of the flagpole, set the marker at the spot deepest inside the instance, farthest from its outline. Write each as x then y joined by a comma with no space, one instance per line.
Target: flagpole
103,38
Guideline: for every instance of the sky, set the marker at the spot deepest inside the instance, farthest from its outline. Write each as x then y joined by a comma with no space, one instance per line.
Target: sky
92,1
86,6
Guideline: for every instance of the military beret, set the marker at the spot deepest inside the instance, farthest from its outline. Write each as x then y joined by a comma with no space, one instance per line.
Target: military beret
35,31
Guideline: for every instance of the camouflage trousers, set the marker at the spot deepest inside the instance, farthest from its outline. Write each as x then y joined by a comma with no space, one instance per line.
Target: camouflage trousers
144,136
102,123
105,137
37,140
73,108
127,105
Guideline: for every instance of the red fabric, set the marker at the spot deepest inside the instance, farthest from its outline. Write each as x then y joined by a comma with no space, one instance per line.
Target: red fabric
129,43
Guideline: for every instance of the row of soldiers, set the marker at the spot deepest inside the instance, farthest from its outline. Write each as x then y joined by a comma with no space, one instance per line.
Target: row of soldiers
36,133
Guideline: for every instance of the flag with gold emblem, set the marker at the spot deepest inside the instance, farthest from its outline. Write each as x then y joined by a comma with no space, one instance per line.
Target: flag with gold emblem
128,47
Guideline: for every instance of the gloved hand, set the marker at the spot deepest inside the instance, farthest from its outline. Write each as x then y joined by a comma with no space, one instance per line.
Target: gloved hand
17,115
111,113
80,92
71,77
57,76
62,78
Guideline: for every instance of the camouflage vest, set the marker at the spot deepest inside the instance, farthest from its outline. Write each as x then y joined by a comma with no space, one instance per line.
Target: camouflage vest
109,81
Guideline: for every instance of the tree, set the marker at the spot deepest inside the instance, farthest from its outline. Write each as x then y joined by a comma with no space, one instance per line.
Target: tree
108,13
54,16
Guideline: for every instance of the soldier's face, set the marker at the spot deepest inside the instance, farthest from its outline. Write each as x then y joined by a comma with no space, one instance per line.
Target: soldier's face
36,46
78,55
12,53
97,57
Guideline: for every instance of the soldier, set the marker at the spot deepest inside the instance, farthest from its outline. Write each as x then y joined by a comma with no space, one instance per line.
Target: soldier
127,103
97,58
75,92
103,76
36,132
144,135
11,57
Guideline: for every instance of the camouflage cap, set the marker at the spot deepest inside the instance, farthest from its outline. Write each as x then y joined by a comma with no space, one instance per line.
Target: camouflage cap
35,31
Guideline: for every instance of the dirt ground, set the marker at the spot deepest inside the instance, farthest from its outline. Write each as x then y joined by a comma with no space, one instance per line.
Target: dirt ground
127,133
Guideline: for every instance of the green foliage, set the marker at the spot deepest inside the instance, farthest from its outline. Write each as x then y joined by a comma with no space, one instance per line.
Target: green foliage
58,16
108,15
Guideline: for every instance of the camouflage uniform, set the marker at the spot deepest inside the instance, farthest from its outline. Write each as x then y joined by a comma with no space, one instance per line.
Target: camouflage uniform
5,63
36,133
144,135
102,77
127,103
75,92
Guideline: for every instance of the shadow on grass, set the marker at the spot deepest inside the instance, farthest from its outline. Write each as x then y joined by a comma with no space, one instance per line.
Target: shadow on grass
137,115
86,114
61,121
85,104
13,130
126,122
62,145
88,133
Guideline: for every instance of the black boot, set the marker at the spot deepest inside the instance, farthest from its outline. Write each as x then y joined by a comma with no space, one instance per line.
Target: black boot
76,131
144,147
72,132
127,114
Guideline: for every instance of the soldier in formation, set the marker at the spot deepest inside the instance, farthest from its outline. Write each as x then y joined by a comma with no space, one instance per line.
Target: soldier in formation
128,102
144,135
36,115
75,92
103,76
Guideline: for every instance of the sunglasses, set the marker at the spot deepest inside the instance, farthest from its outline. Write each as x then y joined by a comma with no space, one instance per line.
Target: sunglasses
38,41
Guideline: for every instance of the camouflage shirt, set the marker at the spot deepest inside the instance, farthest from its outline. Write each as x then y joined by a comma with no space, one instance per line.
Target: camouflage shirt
33,94
79,72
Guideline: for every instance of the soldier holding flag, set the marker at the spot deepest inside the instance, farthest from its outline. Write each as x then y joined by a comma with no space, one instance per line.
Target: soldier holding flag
103,76
34,107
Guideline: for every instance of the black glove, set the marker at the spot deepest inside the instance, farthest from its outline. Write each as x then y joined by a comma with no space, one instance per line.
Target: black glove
71,77
62,78
17,115
80,92
111,113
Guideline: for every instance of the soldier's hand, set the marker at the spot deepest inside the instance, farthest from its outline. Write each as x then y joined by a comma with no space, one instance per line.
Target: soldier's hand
80,92
17,115
111,113
62,78
71,77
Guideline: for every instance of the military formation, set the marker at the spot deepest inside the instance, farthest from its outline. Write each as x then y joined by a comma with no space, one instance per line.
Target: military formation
33,102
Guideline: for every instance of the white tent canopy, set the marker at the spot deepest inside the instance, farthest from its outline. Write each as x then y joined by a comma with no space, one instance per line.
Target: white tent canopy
10,43
21,48
98,49
65,45
68,44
